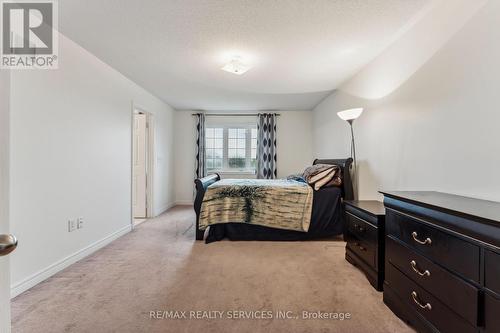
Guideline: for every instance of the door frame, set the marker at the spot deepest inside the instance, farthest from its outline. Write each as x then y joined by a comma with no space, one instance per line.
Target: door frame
150,161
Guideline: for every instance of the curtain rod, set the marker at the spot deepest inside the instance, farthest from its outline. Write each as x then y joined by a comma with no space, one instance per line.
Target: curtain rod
233,114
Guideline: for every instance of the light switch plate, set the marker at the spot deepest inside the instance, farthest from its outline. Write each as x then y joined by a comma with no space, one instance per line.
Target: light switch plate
79,223
71,225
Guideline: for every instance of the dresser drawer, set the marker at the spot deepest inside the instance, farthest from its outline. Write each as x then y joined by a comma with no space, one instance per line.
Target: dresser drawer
454,292
492,271
491,314
361,229
452,252
438,314
362,249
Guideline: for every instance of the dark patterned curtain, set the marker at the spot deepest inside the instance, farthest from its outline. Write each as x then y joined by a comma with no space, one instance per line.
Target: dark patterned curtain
201,170
266,146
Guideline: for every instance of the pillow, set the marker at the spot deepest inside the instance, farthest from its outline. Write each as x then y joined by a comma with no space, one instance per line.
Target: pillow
336,179
327,173
325,179
323,175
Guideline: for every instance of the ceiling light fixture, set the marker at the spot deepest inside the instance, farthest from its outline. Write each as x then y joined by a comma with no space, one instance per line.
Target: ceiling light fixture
236,66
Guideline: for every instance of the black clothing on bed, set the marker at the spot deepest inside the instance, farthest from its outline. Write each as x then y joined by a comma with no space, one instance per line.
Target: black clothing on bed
327,219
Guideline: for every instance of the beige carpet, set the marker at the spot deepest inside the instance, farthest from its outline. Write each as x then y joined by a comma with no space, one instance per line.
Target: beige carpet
159,266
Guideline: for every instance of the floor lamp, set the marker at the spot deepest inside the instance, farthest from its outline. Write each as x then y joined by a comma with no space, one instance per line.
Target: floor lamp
349,116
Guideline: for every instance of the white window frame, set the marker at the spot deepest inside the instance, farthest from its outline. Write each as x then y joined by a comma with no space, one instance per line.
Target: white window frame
248,126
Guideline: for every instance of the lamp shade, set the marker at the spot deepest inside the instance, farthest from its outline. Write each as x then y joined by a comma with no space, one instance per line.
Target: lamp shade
350,114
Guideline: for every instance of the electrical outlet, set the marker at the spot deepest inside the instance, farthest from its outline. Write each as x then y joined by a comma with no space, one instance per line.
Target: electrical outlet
71,225
79,223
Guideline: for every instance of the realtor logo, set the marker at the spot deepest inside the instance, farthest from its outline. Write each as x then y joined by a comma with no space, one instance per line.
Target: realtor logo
29,34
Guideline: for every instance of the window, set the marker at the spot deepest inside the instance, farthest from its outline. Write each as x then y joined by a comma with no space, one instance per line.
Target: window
231,147
253,148
214,148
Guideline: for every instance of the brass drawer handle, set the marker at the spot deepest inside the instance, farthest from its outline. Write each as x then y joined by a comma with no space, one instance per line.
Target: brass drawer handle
424,242
362,248
359,228
427,306
413,264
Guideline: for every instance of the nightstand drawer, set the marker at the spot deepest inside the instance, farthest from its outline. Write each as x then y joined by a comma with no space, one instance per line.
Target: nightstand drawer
438,314
453,252
445,286
361,229
492,271
491,314
362,249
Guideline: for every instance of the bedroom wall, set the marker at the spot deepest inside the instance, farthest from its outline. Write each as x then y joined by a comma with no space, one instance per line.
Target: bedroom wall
294,148
438,128
71,157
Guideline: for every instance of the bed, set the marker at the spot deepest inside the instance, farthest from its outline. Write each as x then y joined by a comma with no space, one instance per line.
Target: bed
326,217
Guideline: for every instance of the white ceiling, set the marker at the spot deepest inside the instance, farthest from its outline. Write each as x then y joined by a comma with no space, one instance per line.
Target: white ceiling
300,49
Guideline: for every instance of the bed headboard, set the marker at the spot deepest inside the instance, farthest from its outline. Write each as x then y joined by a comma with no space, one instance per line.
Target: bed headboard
345,165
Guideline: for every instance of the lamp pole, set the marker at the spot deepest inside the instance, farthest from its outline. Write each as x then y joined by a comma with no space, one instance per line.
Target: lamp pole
349,116
353,155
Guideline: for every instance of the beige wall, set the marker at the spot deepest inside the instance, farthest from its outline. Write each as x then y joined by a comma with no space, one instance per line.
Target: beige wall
438,129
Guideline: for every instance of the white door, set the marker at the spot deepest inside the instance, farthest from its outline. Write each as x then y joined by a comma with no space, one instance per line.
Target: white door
140,149
4,201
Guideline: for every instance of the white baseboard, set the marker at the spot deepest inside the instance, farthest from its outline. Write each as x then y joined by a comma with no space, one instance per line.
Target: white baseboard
44,274
139,221
163,209
173,204
183,203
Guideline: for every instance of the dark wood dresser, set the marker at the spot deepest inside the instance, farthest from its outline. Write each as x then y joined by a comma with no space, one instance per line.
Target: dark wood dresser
442,261
364,234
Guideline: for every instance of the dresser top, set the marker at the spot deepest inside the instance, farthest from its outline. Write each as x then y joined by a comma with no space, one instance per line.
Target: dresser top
450,203
370,206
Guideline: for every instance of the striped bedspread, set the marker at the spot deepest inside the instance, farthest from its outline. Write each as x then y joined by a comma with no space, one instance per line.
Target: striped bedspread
281,204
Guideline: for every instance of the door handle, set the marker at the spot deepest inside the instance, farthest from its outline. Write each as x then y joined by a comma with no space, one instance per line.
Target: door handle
8,243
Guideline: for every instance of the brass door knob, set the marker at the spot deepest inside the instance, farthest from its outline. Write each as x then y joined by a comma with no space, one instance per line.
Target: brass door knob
8,243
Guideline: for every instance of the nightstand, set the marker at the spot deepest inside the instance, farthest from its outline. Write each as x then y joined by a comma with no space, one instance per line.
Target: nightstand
364,234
